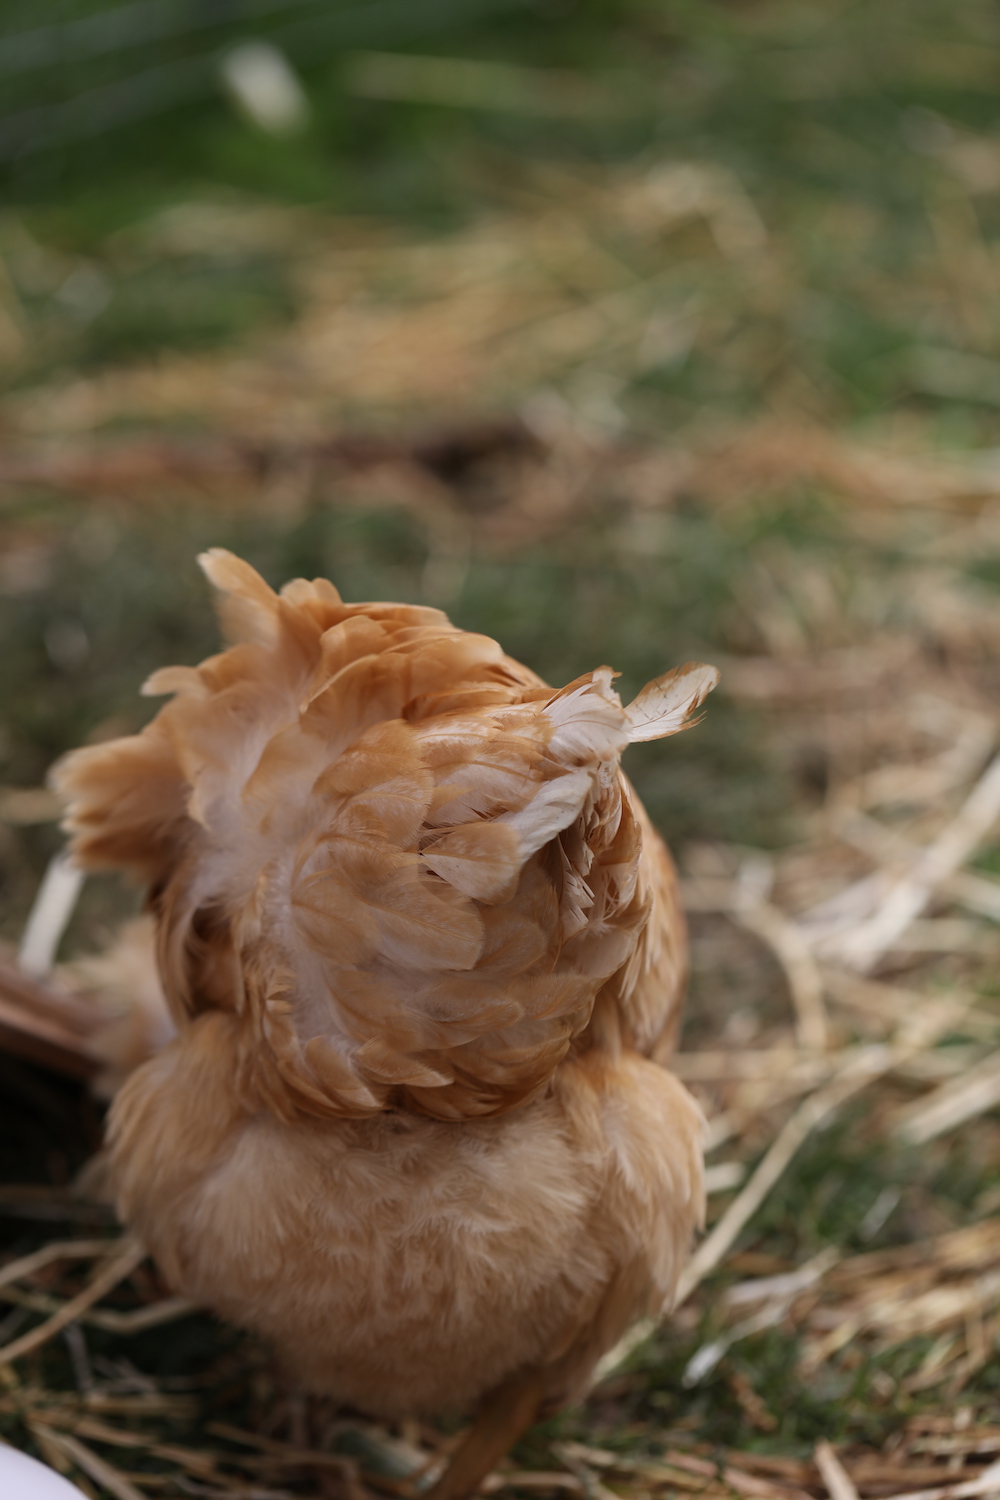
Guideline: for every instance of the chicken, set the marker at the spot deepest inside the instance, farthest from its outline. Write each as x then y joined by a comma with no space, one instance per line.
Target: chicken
424,955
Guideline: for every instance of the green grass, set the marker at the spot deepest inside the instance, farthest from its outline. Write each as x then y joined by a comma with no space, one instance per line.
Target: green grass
831,116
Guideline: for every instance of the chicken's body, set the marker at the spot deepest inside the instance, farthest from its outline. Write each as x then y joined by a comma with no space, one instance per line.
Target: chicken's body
421,947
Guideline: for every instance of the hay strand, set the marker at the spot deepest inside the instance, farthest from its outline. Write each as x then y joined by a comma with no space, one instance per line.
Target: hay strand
130,1255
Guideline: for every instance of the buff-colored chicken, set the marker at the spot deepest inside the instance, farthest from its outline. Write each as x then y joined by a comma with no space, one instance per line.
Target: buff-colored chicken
424,956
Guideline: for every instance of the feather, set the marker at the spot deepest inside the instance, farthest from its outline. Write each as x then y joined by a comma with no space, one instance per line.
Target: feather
169,680
338,1078
301,593
588,721
482,860
128,801
551,809
666,704
248,609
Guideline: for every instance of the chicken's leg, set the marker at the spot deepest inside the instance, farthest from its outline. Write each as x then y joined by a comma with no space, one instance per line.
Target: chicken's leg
504,1415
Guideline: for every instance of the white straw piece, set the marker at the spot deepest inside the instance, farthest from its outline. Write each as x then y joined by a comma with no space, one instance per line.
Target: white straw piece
862,947
50,915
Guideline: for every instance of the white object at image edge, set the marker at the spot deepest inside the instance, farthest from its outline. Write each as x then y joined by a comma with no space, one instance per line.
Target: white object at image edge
24,1478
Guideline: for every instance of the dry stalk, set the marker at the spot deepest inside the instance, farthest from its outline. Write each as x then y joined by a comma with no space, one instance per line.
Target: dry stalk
799,964
839,1484
16,1270
956,1102
946,1287
864,944
988,1483
132,1255
137,1320
548,1482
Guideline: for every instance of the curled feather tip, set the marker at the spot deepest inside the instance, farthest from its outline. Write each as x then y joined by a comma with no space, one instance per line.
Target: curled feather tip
668,703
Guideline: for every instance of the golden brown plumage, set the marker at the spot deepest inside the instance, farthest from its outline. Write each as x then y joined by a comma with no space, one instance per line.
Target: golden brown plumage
420,944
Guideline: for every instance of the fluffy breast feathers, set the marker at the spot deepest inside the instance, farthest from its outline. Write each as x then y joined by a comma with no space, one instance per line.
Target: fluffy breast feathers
406,864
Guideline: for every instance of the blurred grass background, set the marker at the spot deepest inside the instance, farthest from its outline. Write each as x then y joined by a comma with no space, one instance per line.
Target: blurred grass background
626,331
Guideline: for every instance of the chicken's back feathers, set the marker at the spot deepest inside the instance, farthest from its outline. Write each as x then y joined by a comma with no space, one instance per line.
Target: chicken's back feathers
411,872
